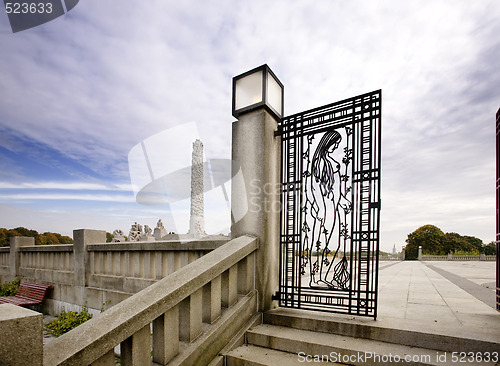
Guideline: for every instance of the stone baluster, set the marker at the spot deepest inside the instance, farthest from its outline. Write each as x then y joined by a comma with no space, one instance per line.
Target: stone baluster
127,268
230,286
147,265
158,266
107,359
212,300
135,350
108,268
166,336
246,274
190,316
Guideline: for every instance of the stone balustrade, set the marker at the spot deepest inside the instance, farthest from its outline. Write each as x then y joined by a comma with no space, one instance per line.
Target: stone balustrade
4,261
451,257
93,272
193,313
47,263
131,267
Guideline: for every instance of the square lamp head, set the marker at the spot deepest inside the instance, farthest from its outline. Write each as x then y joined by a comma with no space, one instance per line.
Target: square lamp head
255,89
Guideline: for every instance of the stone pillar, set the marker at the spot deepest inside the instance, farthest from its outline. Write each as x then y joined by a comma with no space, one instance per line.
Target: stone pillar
419,252
258,153
15,243
81,238
21,342
197,218
403,253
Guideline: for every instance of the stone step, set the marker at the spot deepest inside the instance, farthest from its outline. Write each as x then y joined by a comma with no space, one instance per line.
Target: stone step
416,335
249,355
307,345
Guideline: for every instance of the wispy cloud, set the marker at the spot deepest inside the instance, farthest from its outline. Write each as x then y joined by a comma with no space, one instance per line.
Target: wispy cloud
81,91
67,197
65,186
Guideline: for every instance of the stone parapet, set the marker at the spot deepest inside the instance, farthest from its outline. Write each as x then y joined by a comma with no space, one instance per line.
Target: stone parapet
21,341
202,305
94,272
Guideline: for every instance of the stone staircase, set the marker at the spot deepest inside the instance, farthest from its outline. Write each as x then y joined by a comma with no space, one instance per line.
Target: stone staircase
289,337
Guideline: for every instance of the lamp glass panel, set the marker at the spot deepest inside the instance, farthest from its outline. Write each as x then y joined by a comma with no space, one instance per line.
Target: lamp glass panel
274,94
248,90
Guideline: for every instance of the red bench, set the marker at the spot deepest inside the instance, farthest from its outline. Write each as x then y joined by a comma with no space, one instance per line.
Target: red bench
28,294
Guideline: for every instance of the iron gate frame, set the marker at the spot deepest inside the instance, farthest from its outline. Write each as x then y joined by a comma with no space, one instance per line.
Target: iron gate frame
362,114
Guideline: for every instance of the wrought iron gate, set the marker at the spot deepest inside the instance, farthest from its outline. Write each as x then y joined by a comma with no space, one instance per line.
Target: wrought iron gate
330,196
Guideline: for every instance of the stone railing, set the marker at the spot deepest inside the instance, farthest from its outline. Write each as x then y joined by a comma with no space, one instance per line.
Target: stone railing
451,257
47,263
395,257
193,313
131,267
4,261
93,272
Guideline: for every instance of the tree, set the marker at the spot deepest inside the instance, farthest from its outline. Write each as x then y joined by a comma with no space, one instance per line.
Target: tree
27,232
490,249
454,242
50,238
109,237
435,242
5,235
475,243
63,239
40,239
429,237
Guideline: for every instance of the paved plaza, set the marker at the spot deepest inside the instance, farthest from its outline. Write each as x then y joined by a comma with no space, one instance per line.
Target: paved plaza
452,298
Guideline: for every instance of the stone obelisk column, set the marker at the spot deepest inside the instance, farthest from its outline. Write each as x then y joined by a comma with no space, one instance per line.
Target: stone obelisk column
197,219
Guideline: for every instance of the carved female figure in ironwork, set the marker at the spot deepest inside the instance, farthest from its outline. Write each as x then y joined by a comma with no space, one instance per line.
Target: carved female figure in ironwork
328,209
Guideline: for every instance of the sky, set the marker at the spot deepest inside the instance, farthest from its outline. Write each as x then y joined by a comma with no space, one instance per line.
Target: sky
81,92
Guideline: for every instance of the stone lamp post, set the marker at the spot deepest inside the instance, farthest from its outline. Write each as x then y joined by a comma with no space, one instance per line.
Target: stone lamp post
258,106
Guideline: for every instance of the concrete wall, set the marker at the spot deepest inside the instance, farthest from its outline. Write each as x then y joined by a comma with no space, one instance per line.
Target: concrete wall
93,272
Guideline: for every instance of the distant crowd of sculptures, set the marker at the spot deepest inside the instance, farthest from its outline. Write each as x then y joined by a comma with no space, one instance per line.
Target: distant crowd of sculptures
139,233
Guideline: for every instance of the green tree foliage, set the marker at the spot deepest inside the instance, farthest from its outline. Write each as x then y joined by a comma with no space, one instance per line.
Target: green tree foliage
40,239
5,235
63,239
27,232
454,242
429,237
490,249
476,244
109,237
435,242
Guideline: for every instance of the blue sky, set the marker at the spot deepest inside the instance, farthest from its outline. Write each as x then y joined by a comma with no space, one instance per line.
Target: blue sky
79,92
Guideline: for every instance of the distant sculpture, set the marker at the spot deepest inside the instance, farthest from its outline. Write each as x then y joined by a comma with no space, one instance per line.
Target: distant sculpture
197,219
159,231
147,236
135,232
118,236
